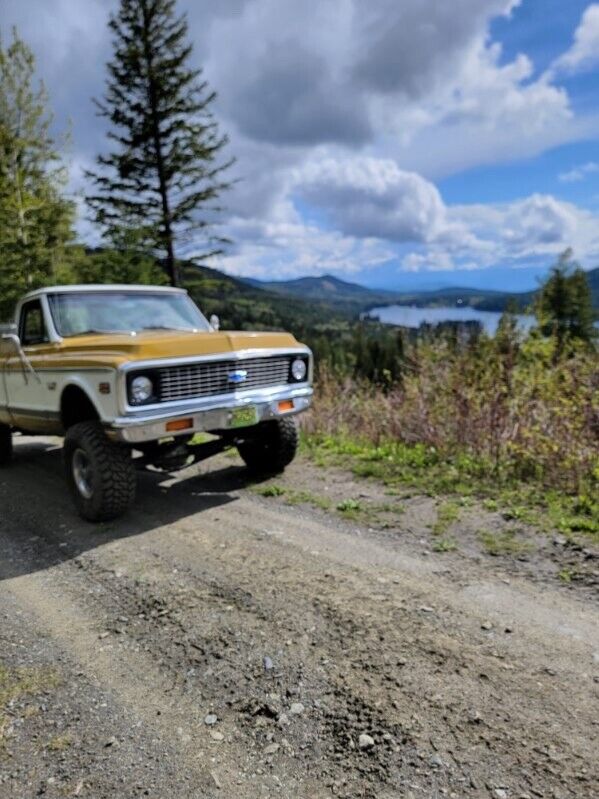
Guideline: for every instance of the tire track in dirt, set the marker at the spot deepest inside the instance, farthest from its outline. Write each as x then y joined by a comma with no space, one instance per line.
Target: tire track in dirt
230,579
139,683
536,686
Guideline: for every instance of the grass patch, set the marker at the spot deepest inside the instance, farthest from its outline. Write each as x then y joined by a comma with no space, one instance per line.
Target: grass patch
292,497
463,477
504,543
516,514
349,507
445,545
447,514
566,575
16,684
269,491
307,498
324,503
389,507
59,743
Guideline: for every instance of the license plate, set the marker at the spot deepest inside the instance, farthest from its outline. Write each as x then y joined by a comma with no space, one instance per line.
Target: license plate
244,417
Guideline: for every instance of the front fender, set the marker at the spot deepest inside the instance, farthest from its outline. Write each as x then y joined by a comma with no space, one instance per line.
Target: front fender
100,388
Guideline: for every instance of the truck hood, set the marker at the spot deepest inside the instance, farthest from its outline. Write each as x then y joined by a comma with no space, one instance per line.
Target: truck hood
149,345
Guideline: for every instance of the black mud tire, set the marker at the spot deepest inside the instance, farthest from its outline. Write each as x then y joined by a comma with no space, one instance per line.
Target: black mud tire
270,447
107,469
5,445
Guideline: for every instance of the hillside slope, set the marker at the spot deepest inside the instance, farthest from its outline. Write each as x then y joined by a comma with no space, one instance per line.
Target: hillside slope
242,305
327,287
354,297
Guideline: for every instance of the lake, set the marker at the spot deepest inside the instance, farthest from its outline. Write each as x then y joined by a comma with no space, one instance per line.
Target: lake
409,316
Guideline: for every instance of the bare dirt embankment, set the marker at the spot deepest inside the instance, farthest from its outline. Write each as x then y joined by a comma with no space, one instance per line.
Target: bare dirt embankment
220,643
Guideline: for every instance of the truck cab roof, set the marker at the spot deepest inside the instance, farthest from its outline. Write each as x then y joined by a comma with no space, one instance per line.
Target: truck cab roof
90,288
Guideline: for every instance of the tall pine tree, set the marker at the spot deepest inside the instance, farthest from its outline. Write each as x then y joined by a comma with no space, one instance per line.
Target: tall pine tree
35,218
162,180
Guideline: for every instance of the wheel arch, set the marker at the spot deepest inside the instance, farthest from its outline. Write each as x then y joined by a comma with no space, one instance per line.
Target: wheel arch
76,406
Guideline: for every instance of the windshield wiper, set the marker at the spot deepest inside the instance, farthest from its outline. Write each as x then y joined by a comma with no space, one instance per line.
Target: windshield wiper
168,327
96,332
93,332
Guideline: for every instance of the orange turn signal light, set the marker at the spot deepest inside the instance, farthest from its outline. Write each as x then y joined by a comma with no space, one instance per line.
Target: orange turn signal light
286,405
179,424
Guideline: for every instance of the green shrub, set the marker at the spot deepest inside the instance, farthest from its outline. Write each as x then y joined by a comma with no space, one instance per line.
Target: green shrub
476,413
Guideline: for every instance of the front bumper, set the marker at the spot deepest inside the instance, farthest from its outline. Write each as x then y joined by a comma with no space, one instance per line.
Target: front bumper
209,414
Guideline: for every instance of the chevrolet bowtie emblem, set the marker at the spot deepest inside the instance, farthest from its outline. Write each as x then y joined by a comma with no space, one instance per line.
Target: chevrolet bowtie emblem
238,376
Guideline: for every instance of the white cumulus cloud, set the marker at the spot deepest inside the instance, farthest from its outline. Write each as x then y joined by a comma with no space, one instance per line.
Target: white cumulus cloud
369,197
584,53
579,172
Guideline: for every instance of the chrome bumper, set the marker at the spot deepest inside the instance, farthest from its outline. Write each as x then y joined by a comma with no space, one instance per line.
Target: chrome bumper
211,413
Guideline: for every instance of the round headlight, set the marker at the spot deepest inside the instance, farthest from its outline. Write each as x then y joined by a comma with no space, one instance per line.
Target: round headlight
298,369
141,389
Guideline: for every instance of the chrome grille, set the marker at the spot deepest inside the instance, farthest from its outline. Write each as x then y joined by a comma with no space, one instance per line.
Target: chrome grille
213,377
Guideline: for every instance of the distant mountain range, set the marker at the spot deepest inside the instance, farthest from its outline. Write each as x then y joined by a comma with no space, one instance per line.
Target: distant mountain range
326,288
353,297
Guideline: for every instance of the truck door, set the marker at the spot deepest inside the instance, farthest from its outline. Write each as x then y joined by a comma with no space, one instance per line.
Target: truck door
27,394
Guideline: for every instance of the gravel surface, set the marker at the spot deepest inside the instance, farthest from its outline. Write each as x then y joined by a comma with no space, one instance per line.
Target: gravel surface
220,643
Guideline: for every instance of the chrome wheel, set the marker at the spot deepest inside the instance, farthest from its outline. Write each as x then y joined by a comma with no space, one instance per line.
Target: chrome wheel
82,474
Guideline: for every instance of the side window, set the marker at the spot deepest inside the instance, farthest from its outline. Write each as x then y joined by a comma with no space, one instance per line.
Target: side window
32,328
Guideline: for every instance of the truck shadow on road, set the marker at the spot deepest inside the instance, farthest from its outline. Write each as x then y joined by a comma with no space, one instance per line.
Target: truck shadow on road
40,528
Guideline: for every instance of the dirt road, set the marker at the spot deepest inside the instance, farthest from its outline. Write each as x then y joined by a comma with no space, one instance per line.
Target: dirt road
219,643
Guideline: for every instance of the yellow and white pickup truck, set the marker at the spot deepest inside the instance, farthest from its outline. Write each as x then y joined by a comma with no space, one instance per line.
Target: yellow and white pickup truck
130,374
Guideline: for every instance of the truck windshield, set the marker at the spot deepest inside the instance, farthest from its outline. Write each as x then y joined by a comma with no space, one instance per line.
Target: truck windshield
81,313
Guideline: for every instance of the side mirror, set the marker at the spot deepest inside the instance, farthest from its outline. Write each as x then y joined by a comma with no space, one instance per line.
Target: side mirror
10,344
214,322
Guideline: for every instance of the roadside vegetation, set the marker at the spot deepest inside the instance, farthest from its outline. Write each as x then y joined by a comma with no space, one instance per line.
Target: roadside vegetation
511,419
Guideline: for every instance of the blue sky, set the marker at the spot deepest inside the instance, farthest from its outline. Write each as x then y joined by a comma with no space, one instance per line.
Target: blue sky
543,30
540,28
413,143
